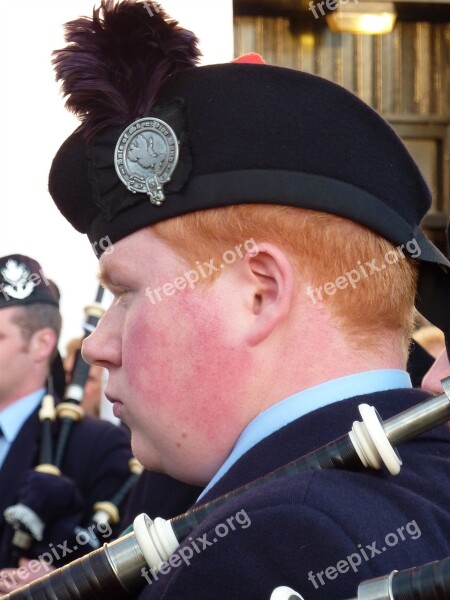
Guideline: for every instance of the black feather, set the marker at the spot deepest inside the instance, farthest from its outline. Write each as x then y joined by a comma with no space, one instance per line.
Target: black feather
116,62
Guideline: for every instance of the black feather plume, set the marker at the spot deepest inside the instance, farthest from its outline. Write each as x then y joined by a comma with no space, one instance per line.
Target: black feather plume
116,62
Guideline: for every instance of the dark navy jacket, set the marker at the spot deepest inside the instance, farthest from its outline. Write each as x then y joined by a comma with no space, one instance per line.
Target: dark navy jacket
96,459
158,495
323,532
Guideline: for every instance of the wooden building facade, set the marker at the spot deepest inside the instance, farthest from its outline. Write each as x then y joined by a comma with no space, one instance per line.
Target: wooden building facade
404,75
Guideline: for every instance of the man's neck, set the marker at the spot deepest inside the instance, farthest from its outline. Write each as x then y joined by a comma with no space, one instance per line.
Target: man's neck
320,359
18,394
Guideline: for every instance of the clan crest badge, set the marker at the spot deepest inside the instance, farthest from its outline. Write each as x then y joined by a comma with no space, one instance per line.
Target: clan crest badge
145,157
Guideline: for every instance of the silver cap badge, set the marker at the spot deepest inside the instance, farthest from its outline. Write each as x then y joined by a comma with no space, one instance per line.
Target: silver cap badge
17,283
146,156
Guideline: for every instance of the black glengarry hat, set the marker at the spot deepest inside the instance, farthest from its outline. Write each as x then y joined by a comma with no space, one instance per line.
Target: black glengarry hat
22,282
161,137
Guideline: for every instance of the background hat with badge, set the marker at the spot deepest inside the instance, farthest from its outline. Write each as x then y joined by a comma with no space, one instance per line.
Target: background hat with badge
22,282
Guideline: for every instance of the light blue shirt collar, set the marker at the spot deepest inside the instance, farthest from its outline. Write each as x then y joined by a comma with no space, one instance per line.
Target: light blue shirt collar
13,418
302,403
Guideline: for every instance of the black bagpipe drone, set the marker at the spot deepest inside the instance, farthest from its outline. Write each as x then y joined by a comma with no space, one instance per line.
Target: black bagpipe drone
114,571
45,495
427,582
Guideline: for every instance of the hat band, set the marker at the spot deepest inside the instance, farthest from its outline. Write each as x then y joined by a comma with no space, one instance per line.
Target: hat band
258,186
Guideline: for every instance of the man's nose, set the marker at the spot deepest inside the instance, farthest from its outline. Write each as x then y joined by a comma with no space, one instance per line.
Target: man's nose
103,346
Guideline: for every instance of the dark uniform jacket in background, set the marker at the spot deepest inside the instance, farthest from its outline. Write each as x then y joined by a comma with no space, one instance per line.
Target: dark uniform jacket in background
158,495
420,362
96,459
312,522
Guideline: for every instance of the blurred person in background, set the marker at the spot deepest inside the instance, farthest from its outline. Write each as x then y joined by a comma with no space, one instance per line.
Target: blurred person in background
96,461
439,370
431,338
441,367
93,389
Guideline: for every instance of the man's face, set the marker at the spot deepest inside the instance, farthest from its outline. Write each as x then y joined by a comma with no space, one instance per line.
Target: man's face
438,371
177,365
15,358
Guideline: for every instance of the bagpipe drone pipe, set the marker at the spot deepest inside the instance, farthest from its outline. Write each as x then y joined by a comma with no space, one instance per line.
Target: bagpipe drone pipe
114,571
426,582
46,496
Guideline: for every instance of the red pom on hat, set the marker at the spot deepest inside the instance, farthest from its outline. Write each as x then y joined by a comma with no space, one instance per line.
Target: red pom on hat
252,58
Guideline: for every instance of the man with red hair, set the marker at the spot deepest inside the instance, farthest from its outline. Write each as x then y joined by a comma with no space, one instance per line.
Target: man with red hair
267,253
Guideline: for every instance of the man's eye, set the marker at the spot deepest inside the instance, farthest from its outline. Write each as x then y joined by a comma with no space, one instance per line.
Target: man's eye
116,289
120,292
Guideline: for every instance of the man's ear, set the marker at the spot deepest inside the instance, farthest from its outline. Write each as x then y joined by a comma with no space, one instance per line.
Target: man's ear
270,275
42,344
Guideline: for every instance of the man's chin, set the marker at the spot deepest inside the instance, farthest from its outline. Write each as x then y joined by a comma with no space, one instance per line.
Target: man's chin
148,457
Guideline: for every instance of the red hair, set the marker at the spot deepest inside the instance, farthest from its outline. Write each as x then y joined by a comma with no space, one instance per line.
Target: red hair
322,247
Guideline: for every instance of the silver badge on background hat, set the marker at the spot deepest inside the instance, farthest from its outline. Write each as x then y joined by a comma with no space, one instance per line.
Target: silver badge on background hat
17,283
145,157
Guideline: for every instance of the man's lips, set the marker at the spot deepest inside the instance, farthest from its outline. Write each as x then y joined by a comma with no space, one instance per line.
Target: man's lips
118,410
112,399
117,405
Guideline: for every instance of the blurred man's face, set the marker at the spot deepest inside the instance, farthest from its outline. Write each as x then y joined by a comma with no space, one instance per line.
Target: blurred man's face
92,393
176,365
15,358
438,371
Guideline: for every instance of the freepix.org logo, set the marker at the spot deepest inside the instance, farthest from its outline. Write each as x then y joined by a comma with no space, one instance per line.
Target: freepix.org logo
330,5
152,8
185,554
410,531
201,271
362,271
